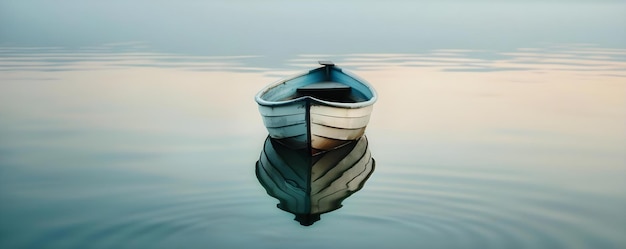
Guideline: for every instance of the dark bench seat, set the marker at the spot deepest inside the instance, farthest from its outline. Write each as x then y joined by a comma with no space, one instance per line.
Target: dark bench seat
328,90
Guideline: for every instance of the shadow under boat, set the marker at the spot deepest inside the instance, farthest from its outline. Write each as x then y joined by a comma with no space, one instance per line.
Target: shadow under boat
309,185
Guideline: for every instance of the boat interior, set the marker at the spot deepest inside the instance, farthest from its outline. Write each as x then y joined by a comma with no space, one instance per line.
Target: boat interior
328,83
329,91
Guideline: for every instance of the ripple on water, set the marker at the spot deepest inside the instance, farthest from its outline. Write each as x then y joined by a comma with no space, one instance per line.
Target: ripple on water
486,209
151,218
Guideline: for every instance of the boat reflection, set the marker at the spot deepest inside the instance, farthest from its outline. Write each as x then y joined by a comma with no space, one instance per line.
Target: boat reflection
309,185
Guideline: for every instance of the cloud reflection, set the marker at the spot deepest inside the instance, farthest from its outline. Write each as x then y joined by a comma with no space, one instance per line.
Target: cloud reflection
113,57
576,57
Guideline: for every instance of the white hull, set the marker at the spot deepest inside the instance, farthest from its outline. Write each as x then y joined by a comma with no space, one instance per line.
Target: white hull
325,127
306,121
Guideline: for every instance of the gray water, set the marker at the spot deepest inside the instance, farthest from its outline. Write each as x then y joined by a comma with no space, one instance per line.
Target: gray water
132,124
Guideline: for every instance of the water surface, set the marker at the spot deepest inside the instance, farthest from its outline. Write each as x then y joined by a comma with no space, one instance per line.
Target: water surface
123,139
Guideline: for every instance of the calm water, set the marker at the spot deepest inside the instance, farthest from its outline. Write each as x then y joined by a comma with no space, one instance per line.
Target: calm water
128,127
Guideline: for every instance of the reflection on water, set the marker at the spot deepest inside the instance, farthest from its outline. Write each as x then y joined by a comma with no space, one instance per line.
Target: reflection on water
308,186
117,146
582,58
113,56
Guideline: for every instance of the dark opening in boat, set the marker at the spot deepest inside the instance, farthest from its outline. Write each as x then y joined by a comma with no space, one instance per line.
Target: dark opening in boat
329,91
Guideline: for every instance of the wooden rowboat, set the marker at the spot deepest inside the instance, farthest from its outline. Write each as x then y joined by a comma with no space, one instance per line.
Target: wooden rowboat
321,109
309,185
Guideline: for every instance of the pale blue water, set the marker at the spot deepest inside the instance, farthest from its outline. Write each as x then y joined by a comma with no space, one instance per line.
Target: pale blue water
132,124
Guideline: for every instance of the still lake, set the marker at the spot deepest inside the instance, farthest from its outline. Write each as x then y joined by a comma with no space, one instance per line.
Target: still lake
124,139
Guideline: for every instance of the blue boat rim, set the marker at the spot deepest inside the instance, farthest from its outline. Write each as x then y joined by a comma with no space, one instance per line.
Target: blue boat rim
371,99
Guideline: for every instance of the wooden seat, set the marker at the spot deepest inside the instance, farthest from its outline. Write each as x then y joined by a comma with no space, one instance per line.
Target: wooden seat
328,90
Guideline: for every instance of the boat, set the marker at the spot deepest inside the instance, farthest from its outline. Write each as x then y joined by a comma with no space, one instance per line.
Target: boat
320,109
309,185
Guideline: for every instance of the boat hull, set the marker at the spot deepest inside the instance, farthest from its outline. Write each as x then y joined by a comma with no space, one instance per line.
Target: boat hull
294,115
315,125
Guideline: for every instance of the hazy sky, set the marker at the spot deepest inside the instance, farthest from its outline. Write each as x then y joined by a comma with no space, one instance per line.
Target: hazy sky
269,27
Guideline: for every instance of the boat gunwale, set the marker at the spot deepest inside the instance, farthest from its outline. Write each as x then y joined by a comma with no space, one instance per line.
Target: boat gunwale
355,105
